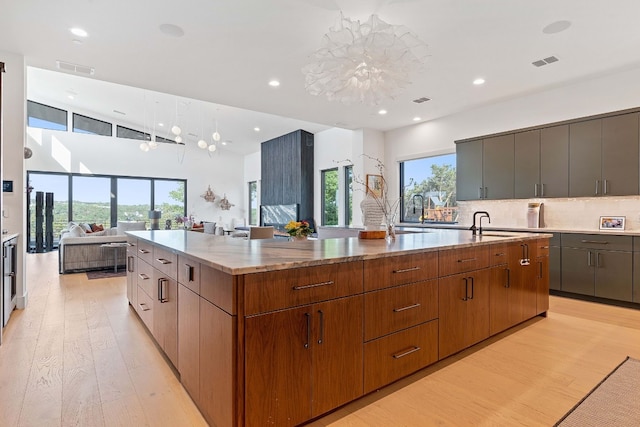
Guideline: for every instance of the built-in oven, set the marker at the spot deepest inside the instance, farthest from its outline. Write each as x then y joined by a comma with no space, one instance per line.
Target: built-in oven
9,282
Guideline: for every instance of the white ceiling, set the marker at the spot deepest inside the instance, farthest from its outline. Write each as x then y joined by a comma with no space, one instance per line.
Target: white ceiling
231,49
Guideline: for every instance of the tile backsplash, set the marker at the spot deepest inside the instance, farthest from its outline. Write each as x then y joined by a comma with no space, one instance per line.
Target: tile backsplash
581,213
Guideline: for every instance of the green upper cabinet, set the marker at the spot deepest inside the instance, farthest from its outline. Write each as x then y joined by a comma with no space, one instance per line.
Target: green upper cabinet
585,147
620,155
497,167
554,161
527,164
469,170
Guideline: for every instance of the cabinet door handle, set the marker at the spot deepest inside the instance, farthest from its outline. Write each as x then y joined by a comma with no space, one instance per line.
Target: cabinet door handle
606,187
484,195
467,260
162,290
143,251
405,270
535,190
595,242
144,307
409,307
508,284
597,186
130,264
480,193
598,263
589,259
406,353
313,285
541,190
143,276
466,288
308,316
163,261
472,286
321,313
189,271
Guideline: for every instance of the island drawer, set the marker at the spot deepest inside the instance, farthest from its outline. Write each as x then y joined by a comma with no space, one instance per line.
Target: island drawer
541,247
219,288
145,308
144,277
390,358
393,309
275,290
455,261
145,251
399,270
498,254
165,261
189,273
132,249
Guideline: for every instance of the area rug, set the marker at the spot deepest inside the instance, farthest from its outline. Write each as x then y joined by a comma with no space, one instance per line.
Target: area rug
105,274
615,401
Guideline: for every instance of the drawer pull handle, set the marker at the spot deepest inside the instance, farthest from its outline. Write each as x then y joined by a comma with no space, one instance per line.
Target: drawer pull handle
143,276
500,254
595,242
189,272
162,290
163,261
314,285
308,316
144,307
406,353
405,270
143,251
409,307
467,260
544,247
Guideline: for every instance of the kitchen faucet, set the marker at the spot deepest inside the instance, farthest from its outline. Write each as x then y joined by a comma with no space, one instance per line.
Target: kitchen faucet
482,214
413,199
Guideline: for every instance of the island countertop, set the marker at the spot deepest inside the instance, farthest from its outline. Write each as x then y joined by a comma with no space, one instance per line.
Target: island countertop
239,256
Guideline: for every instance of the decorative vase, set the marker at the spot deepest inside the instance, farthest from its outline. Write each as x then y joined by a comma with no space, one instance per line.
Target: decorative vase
372,213
391,230
300,237
188,225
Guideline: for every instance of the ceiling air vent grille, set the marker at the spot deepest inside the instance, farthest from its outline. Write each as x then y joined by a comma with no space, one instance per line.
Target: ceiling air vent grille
545,61
75,68
421,100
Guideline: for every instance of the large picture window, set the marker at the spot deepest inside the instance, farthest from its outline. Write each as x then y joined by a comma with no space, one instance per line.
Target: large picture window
429,190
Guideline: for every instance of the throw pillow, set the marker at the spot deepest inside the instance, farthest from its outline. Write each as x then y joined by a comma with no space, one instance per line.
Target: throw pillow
76,231
96,227
86,227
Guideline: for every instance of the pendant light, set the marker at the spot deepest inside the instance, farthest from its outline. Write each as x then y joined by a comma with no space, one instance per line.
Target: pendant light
201,142
216,135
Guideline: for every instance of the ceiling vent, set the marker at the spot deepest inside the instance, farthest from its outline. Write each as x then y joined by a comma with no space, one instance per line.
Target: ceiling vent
421,100
75,68
545,61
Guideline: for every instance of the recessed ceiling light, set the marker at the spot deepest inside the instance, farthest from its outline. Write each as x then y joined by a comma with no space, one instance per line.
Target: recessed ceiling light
70,96
382,112
478,81
161,124
274,83
416,119
171,30
556,27
77,41
257,129
78,32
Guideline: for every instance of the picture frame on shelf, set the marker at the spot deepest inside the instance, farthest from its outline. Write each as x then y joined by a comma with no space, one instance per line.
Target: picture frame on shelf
611,223
374,185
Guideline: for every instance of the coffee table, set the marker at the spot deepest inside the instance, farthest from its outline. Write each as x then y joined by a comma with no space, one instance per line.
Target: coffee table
115,246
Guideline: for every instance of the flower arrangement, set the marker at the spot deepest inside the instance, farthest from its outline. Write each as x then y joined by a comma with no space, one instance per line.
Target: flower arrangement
298,229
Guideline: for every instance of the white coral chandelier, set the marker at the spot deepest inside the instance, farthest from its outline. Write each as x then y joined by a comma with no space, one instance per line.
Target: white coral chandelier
364,63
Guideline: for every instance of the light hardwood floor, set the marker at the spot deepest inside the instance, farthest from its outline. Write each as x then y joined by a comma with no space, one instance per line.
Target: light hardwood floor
79,356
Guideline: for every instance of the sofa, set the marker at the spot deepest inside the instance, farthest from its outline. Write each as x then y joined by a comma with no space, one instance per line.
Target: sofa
80,247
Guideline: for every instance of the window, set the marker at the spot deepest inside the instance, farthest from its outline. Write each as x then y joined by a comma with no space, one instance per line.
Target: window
91,199
348,195
429,189
164,140
123,132
134,199
88,125
253,203
169,197
329,180
46,117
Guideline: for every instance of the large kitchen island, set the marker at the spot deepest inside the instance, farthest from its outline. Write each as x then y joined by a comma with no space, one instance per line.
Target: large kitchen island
272,332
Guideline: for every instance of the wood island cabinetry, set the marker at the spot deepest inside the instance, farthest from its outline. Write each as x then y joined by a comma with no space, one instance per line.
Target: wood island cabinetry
284,345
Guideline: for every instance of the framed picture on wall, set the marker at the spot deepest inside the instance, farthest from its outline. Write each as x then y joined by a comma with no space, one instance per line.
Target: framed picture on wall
374,185
612,222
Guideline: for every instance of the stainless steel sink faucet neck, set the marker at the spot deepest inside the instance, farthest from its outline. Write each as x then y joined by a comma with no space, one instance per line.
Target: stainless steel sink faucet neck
413,199
478,230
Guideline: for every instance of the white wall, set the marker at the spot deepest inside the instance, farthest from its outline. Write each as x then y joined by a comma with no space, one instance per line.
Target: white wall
598,95
56,151
13,122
